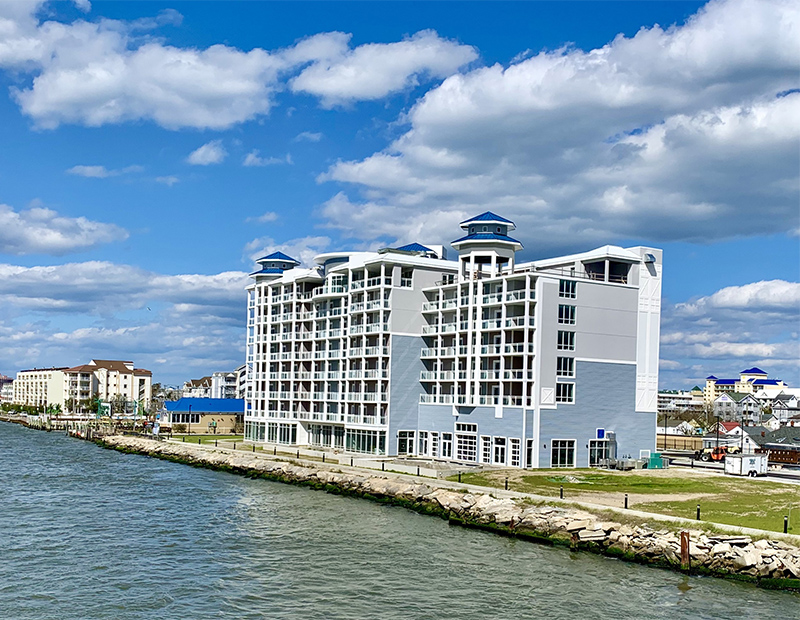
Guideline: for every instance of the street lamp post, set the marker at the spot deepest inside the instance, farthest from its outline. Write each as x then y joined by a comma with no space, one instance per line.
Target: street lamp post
717,416
190,419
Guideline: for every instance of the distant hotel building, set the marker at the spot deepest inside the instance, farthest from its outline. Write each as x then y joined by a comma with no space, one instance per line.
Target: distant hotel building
99,379
401,352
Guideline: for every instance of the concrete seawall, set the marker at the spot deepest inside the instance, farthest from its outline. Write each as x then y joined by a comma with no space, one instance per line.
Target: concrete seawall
770,561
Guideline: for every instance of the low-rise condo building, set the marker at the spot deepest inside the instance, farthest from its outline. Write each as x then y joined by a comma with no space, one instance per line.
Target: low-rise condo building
480,360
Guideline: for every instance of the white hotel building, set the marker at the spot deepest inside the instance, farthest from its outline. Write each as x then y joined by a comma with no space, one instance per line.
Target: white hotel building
401,352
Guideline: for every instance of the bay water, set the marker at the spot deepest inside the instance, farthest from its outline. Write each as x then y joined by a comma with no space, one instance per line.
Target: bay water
92,533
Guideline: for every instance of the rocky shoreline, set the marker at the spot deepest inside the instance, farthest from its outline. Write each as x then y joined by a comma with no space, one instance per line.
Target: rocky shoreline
766,562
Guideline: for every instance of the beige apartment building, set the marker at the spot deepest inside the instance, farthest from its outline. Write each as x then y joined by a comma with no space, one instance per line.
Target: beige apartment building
103,379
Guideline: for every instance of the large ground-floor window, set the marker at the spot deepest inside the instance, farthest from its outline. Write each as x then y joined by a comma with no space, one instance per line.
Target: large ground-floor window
562,453
369,442
405,442
598,451
466,447
281,433
255,431
326,435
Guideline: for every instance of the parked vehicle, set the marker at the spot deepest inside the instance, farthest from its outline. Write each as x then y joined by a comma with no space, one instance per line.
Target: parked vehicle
716,453
746,464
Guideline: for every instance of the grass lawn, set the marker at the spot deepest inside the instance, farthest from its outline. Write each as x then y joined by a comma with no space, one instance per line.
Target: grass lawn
723,499
208,438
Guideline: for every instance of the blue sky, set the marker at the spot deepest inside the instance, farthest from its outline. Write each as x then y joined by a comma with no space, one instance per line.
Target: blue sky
151,150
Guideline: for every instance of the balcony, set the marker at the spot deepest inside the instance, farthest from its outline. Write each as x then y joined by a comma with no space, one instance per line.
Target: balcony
491,349
518,295
430,306
449,303
378,282
488,400
329,291
492,298
492,324
429,352
356,285
490,375
427,375
377,304
513,401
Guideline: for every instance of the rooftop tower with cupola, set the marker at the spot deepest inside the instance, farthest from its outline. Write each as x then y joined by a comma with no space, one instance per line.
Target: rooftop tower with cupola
486,251
273,266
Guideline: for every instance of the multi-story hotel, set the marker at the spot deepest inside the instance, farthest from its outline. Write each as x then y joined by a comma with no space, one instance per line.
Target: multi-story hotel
483,359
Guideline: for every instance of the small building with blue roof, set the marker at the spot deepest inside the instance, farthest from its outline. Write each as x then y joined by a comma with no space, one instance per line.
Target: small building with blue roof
222,416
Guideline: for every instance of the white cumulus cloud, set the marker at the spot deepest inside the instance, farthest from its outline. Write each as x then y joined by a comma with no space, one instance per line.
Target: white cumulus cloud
39,230
374,70
210,153
672,134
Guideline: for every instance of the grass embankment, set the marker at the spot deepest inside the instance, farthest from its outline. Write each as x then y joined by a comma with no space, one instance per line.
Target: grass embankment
731,500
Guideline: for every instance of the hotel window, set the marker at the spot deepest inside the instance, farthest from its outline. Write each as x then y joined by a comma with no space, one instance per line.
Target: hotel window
434,444
562,453
447,445
598,451
486,449
466,447
423,443
499,451
565,367
405,442
565,392
514,444
566,314
567,289
566,341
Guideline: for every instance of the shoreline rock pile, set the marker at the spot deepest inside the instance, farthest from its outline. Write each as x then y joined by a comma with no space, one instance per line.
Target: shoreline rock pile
770,563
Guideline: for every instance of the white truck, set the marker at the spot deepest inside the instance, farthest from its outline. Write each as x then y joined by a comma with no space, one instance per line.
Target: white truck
746,464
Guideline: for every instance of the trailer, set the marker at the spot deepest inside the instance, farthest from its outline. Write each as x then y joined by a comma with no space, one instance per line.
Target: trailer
746,464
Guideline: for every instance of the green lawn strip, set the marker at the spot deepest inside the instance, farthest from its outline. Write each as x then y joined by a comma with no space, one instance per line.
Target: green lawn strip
207,438
732,501
759,511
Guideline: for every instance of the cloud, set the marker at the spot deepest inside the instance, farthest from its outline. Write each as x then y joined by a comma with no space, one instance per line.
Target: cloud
303,249
767,295
673,134
210,153
375,70
168,180
104,72
754,324
39,230
269,216
101,172
308,136
68,314
253,159
97,73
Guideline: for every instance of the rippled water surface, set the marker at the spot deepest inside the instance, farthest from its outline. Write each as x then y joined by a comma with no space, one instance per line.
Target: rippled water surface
91,533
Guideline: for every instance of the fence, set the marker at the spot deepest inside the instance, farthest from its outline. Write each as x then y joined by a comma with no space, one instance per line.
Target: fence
678,442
